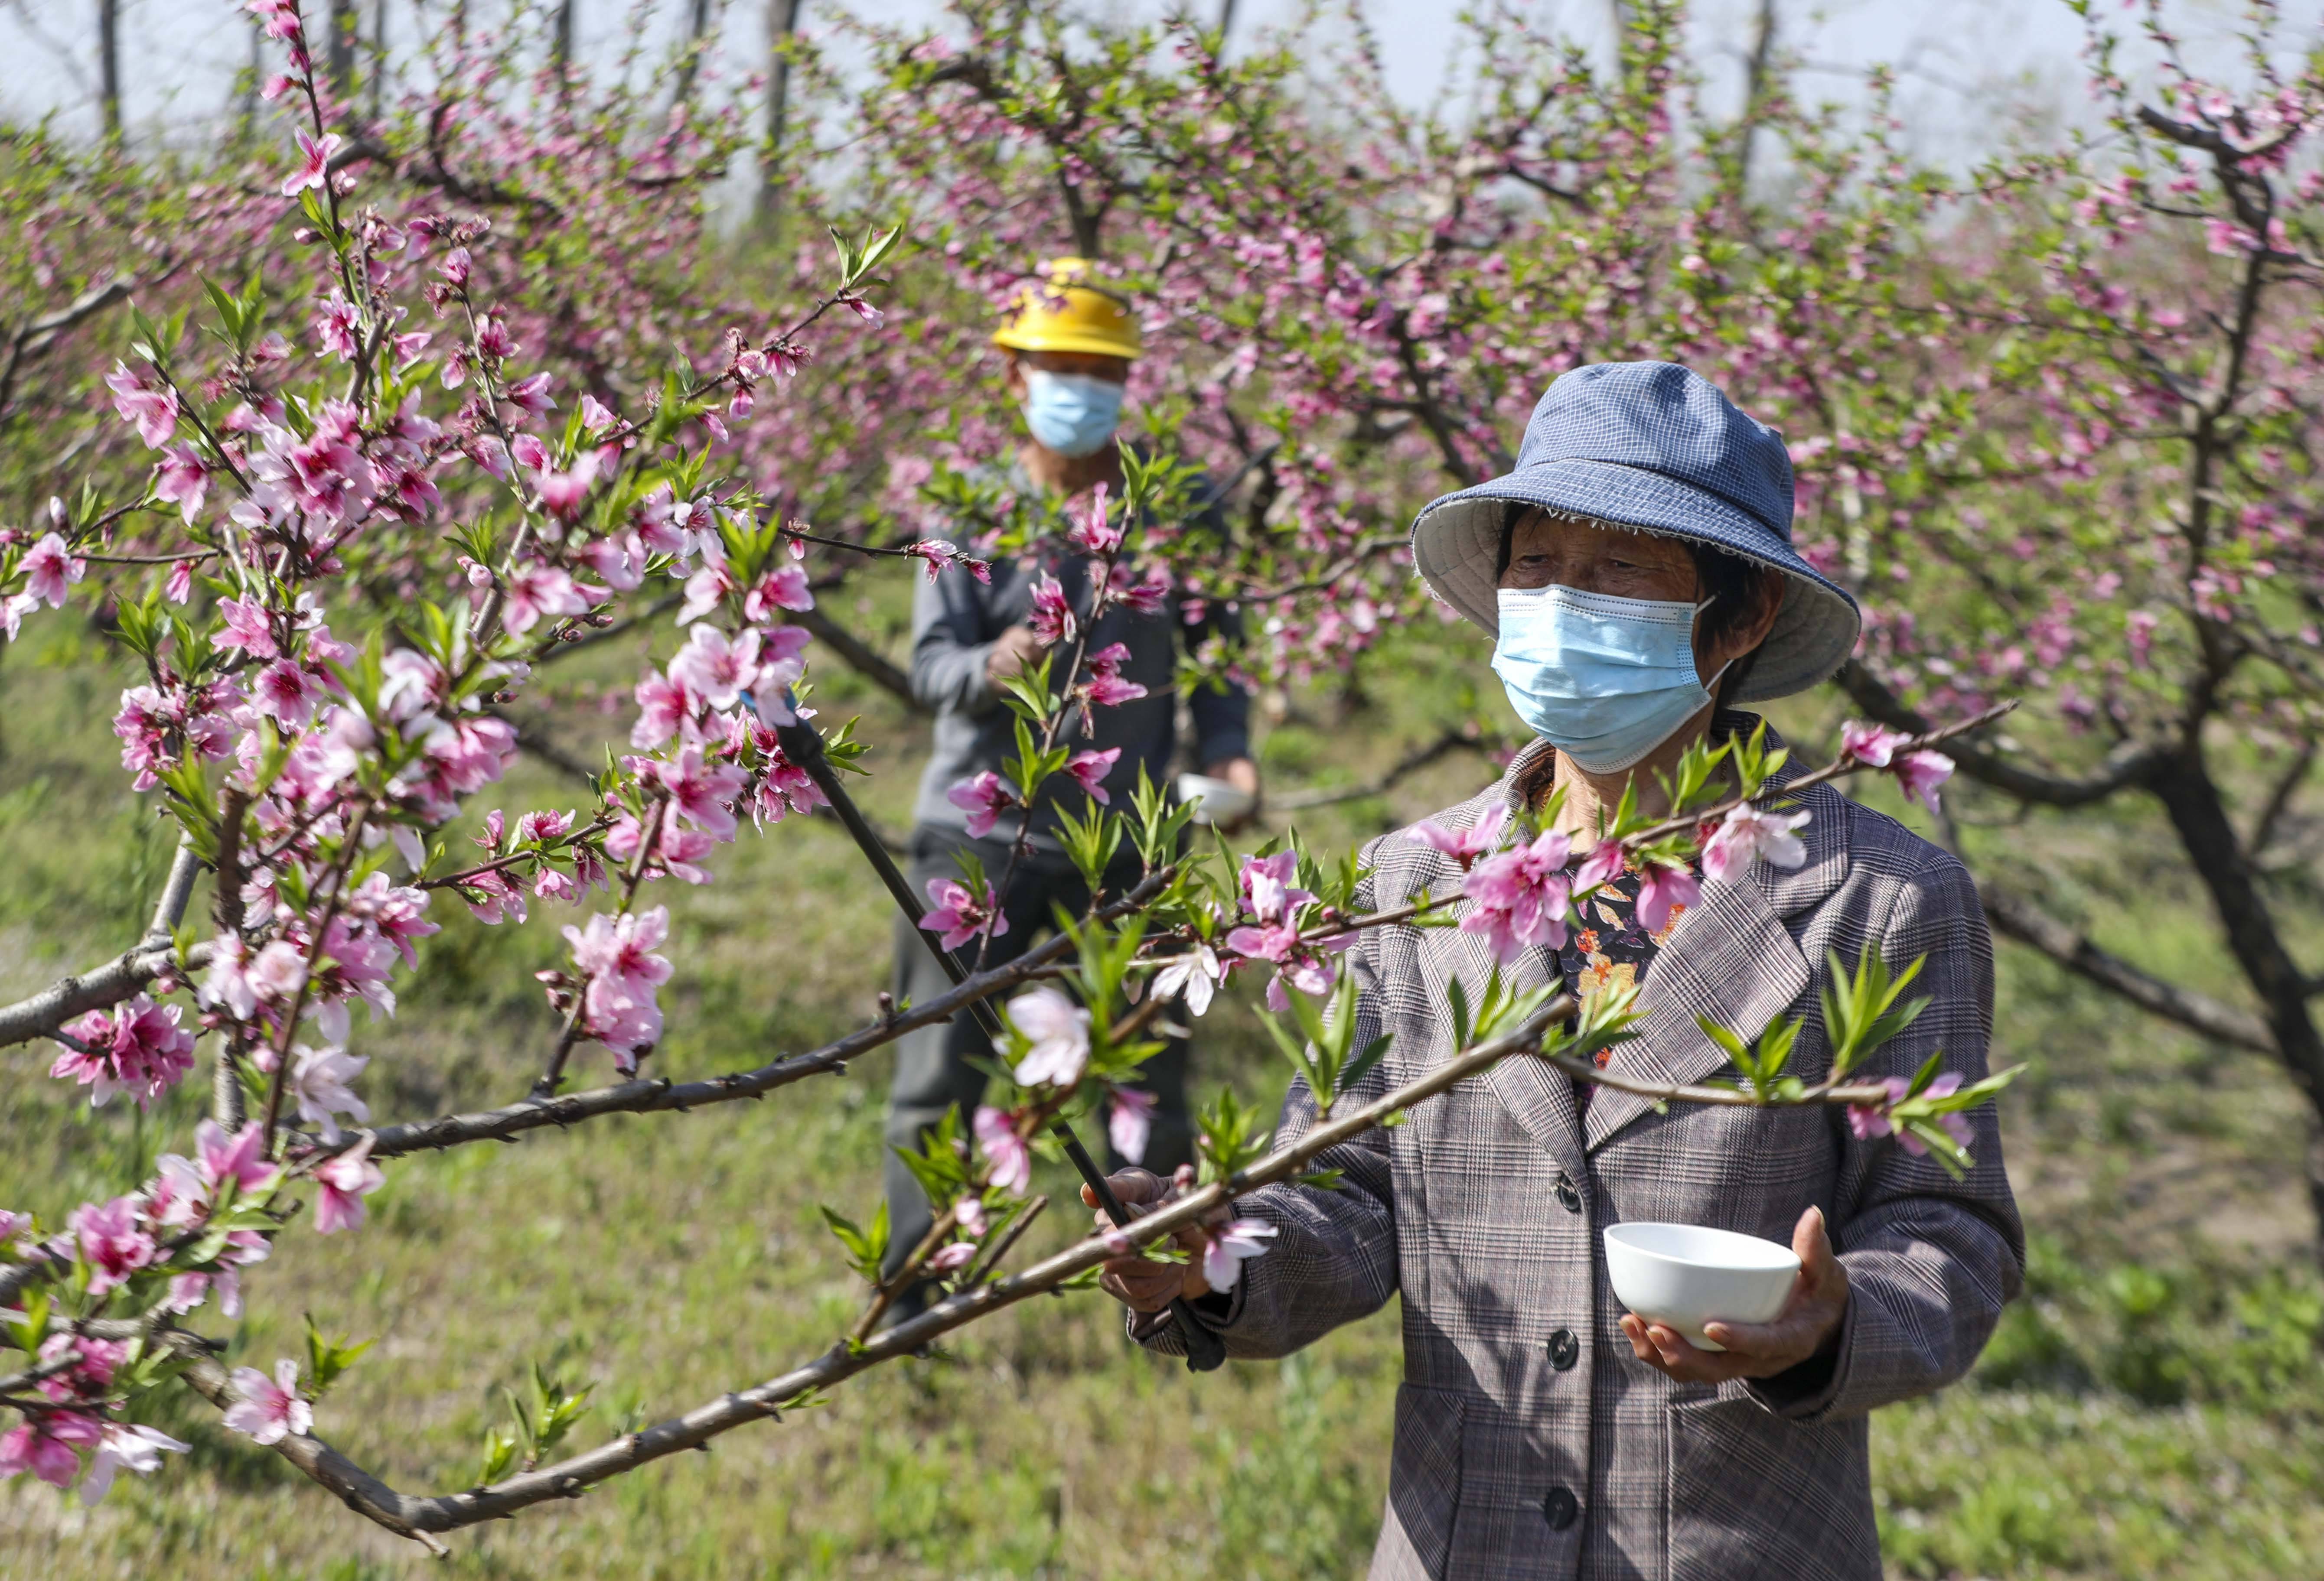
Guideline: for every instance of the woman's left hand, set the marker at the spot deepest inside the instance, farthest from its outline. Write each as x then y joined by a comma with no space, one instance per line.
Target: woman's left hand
1808,1326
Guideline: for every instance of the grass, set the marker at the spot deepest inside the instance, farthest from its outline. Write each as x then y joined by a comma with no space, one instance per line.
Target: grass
2153,1409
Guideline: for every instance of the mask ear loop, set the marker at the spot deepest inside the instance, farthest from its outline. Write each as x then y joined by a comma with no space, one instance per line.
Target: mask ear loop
1711,687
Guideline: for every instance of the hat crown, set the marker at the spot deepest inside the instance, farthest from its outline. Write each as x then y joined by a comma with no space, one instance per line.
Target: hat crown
1665,418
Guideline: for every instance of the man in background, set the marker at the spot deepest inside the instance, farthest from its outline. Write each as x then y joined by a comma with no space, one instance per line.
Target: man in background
1069,343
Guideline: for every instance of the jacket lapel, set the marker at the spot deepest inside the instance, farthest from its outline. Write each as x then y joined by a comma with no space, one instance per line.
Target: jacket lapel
1732,960
1538,1096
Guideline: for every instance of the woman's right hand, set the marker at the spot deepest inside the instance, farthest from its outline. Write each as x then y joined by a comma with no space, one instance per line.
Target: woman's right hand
1140,1283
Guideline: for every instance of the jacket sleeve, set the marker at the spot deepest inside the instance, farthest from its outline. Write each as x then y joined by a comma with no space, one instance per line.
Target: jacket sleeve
1931,1260
1333,1257
950,643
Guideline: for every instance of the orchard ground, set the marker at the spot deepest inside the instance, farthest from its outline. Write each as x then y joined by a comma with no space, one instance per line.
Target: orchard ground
2153,1409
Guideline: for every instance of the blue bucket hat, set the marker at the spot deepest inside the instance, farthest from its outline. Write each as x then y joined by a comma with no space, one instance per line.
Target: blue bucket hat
1655,447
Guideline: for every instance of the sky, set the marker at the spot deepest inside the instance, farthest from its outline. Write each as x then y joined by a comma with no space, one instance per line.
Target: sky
1960,62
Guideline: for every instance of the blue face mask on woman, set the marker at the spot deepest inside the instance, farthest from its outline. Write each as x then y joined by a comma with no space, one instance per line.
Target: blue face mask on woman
1071,413
1606,679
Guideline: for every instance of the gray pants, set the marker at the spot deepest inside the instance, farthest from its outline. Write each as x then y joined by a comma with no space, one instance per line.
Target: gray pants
933,1069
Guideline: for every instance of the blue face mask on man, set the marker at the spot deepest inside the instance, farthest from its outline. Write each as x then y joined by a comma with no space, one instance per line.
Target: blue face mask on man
1606,679
1072,413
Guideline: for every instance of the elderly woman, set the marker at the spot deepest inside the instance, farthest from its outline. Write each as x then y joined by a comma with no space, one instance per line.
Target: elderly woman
1637,574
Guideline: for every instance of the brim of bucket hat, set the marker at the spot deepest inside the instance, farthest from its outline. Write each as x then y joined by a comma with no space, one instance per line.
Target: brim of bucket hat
1456,546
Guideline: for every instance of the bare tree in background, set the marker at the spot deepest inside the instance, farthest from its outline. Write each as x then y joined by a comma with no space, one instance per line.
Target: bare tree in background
697,30
378,55
340,59
560,41
1226,18
1756,68
109,65
782,22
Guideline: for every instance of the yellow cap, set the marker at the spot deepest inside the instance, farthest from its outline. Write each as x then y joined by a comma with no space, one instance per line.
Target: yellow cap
1065,311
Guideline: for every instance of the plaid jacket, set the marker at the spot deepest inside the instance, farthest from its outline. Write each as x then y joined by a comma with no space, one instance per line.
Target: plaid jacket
1529,1442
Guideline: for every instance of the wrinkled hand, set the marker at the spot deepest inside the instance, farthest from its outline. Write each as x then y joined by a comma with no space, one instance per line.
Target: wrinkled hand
1808,1325
1138,1282
1010,652
1244,774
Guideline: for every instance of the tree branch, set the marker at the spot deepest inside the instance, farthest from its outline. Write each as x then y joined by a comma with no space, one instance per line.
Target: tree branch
94,989
862,658
2131,764
1465,735
2021,919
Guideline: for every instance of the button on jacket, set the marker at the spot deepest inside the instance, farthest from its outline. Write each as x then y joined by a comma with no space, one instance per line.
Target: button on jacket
1530,1444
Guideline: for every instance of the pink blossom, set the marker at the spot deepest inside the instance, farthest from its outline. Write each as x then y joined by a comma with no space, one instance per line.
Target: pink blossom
154,408
1008,1161
1106,686
345,1179
1870,744
137,1047
538,590
316,168
1520,897
319,1084
948,1258
1193,977
983,798
616,955
714,669
1092,534
1921,772
183,480
700,792
1604,863
1464,846
1052,619
336,327
111,1242
126,1446
616,952
1266,890
239,1158
45,1445
1130,1123
664,707
1058,1031
1748,835
1230,1246
49,568
531,394
269,1410
957,915
1868,1121
285,693
1089,770
1662,890
782,588
563,493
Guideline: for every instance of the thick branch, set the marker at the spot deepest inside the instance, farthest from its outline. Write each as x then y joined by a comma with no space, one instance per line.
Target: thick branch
2132,764
416,1516
2022,920
1420,758
862,658
94,989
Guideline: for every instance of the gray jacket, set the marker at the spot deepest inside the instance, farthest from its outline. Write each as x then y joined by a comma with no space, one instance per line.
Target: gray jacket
956,621
1529,1442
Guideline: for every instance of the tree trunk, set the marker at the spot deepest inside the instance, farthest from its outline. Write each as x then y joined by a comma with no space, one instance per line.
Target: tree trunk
560,40
2192,801
108,66
378,56
698,27
1226,20
340,59
782,22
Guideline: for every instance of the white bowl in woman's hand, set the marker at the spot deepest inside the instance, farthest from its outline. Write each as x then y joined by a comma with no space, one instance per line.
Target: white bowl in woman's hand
1686,1275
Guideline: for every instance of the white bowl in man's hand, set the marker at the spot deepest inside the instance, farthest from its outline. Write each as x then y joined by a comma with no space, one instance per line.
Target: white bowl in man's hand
1686,1275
